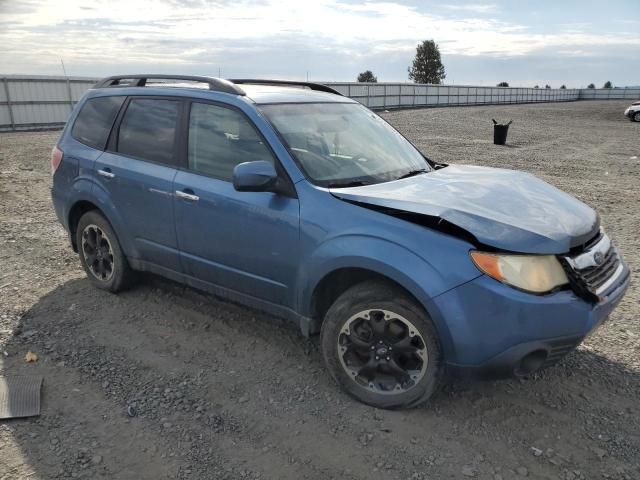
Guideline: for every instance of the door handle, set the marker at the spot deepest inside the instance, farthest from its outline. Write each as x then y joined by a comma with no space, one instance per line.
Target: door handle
187,196
106,173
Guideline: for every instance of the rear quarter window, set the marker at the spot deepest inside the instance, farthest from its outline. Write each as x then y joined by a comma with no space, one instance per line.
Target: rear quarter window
94,122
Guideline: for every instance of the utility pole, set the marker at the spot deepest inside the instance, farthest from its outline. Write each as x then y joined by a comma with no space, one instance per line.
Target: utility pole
64,70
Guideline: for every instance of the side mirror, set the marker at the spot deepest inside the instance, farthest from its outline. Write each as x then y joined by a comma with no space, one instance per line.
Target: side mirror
257,176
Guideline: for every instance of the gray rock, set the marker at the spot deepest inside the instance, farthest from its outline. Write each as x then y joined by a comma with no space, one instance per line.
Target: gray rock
468,471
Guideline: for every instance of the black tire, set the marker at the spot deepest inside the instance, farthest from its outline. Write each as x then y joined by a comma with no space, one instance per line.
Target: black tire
398,309
120,275
636,116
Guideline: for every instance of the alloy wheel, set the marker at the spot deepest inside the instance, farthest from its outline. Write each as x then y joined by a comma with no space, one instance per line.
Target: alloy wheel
97,253
382,351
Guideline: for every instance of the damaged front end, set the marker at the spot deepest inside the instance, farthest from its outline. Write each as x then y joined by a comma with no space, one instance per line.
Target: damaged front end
505,213
493,208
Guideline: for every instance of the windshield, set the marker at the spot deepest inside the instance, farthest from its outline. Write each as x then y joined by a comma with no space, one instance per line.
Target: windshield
344,144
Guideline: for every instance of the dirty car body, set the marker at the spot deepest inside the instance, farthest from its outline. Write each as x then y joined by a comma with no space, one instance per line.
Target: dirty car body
351,201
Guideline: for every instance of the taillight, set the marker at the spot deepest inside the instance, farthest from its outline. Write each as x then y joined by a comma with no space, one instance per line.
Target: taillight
56,159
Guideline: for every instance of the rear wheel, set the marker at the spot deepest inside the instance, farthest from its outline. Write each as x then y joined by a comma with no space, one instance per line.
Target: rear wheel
636,116
381,347
100,253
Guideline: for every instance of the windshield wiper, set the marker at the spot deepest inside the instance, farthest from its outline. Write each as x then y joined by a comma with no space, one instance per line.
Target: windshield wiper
413,173
355,183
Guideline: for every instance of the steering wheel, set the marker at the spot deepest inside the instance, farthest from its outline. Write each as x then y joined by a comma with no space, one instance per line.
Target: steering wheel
320,159
359,157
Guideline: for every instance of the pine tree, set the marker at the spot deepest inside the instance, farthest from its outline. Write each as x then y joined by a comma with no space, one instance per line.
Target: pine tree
367,76
427,66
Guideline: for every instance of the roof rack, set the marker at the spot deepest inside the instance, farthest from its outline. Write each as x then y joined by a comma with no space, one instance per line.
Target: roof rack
217,84
313,86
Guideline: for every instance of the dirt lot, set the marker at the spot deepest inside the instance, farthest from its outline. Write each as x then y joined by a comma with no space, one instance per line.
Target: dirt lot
220,391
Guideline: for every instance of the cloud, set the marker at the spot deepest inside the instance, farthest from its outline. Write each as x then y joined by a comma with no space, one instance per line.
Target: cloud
200,33
474,7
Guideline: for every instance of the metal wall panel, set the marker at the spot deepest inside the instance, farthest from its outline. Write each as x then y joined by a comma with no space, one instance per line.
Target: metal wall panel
40,114
5,119
407,90
407,100
39,102
376,89
358,90
393,89
34,91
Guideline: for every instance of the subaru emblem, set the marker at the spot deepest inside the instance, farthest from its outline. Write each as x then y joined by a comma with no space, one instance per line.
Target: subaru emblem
598,257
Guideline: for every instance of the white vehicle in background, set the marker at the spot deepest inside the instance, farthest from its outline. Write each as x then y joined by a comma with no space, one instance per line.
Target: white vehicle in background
633,112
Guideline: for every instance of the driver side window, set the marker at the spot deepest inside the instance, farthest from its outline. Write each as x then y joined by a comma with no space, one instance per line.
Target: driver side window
221,138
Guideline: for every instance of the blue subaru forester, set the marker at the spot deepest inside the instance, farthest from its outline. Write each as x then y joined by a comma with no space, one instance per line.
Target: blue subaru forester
293,199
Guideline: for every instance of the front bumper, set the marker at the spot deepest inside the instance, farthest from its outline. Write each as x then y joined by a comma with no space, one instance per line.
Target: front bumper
490,328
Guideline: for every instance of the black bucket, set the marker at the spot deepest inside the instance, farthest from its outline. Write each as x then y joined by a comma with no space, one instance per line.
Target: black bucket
500,131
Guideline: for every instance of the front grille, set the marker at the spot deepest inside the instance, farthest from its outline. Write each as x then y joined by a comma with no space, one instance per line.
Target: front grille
595,277
591,271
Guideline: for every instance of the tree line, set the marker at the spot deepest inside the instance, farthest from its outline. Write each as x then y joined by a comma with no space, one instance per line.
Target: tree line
427,67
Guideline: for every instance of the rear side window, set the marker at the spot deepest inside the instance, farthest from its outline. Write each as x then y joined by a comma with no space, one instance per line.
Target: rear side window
148,130
220,139
95,120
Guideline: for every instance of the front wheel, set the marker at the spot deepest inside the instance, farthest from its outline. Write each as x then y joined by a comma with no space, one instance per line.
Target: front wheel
381,347
636,116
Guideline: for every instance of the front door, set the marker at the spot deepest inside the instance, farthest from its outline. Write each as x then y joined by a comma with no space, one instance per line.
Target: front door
243,241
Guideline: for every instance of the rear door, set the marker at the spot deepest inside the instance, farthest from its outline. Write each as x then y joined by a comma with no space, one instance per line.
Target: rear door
138,169
243,241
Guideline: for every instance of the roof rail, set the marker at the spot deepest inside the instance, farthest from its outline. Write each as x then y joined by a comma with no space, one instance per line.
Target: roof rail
313,86
217,84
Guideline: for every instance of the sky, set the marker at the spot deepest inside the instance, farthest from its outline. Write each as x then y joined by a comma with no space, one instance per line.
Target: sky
522,42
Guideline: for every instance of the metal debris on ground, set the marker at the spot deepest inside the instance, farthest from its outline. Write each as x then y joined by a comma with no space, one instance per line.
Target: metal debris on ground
20,396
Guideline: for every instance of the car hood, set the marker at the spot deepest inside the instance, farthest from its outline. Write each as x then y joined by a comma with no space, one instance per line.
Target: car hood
505,209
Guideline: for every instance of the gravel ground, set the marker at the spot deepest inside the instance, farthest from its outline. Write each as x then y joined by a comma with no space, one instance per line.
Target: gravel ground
219,391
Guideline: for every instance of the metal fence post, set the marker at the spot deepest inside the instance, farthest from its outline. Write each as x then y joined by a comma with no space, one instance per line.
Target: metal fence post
6,93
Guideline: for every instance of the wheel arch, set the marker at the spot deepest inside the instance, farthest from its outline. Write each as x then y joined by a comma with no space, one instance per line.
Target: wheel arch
76,212
337,281
98,199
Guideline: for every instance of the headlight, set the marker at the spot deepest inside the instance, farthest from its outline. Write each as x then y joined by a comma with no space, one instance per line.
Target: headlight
533,273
